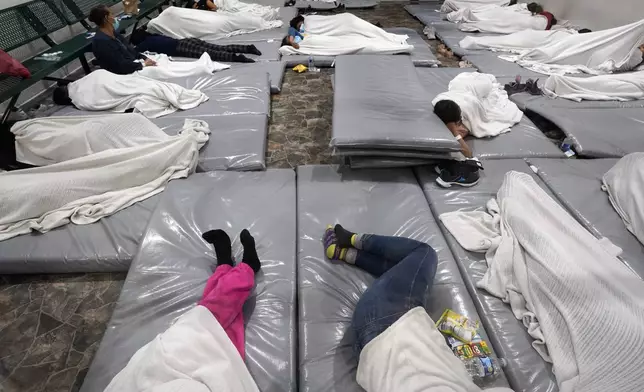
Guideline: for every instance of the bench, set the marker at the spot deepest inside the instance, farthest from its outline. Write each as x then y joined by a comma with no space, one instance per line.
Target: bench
37,19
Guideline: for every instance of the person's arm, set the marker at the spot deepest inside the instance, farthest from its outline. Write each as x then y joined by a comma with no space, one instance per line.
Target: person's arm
211,5
460,132
291,41
109,56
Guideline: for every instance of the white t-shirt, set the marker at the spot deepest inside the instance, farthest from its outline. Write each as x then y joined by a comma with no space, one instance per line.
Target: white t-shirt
411,355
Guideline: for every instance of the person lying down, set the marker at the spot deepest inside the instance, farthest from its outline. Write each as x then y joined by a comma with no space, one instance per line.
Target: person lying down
340,34
90,167
598,52
455,5
623,86
105,91
487,12
235,6
511,22
180,23
519,42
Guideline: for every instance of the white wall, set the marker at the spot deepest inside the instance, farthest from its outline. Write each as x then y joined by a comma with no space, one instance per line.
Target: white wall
595,14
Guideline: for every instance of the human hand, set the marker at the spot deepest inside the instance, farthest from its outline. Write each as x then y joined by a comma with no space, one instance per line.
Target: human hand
149,63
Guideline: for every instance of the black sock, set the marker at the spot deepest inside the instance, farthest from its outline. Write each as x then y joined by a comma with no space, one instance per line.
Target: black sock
344,236
250,253
240,58
252,49
220,240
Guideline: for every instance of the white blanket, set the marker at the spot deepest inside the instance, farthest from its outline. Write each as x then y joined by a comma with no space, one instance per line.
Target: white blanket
346,34
485,107
193,355
109,173
507,25
235,6
569,291
104,91
455,5
209,26
598,52
625,186
626,86
167,69
519,42
487,12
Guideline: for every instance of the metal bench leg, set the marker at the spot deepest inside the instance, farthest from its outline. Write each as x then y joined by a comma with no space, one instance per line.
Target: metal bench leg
9,108
86,25
84,64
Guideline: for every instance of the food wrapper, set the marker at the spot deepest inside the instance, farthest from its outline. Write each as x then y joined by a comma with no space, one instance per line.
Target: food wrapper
458,326
300,68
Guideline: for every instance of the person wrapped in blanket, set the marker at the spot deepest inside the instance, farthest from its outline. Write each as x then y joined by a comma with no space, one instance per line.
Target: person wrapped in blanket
537,9
206,5
114,54
295,33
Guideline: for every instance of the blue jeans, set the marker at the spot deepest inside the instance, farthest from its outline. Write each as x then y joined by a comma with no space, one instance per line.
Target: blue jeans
405,270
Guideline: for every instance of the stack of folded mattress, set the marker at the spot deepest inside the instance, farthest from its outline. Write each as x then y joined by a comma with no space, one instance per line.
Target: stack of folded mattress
383,115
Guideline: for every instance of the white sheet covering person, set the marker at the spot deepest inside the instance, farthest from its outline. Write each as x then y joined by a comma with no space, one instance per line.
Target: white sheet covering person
575,297
507,24
343,34
623,86
624,184
487,12
597,52
485,107
235,6
196,355
167,69
93,166
519,42
105,91
179,23
455,5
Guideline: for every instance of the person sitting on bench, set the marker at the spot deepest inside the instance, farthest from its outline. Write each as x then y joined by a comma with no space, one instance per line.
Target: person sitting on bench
397,344
191,47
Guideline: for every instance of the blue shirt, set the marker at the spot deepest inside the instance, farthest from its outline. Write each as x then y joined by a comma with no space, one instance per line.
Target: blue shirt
294,33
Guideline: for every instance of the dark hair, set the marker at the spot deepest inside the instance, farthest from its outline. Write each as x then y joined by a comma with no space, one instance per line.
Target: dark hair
554,21
448,111
535,8
98,14
285,41
513,2
61,96
584,31
297,20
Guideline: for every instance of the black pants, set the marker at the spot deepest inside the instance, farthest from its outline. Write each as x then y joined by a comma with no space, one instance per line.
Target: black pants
194,48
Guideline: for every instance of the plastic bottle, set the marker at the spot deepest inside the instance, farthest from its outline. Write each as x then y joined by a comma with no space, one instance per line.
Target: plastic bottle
311,64
483,369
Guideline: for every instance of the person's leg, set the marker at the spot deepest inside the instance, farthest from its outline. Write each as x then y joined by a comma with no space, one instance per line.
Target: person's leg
193,48
233,48
403,287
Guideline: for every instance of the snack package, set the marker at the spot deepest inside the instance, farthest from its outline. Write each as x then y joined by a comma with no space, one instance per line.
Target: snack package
300,68
458,326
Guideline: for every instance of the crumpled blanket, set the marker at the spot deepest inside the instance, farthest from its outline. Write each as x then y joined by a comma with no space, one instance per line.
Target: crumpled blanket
598,52
234,6
344,34
104,91
625,86
100,166
519,42
624,184
182,23
167,69
583,306
455,5
487,12
484,104
507,24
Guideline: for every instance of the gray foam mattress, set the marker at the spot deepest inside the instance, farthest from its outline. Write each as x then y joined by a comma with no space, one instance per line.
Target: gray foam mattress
523,141
317,5
230,92
525,370
527,101
380,162
378,102
490,63
236,142
169,272
598,132
388,202
577,185
274,69
421,56
352,4
107,245
425,13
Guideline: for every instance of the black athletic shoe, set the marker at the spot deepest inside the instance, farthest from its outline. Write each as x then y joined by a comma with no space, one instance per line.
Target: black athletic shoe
462,173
